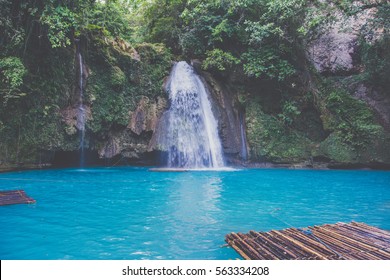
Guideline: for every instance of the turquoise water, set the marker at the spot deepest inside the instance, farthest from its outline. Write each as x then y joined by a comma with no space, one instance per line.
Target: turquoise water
132,213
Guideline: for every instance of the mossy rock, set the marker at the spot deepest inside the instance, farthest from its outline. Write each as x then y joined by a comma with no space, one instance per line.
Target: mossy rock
352,119
115,96
270,140
333,147
118,78
70,130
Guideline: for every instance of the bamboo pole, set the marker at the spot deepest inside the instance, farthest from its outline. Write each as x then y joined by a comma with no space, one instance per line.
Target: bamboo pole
14,197
303,246
314,243
302,254
374,241
351,241
286,252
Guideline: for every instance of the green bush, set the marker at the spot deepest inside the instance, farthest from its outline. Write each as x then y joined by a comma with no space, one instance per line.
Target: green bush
12,72
118,78
376,59
289,112
270,139
266,63
351,118
60,22
219,60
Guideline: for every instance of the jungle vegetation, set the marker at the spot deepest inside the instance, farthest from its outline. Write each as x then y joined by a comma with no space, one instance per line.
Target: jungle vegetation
257,46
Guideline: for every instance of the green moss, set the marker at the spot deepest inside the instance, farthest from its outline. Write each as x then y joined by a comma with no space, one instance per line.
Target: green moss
336,149
33,123
70,130
352,119
116,82
113,97
269,139
117,78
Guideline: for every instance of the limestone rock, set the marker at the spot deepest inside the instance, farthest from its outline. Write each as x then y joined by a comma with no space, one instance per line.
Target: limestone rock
146,115
135,141
69,116
334,52
227,110
125,48
378,101
126,144
111,149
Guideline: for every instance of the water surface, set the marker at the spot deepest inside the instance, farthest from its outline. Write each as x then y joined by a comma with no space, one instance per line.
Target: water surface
131,213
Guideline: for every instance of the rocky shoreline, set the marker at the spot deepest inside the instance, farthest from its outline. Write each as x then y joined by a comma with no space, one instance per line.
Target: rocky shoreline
247,165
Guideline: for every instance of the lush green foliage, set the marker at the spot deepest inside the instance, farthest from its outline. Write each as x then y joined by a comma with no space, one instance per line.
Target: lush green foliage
270,139
38,65
219,60
289,112
351,118
12,72
117,82
60,22
261,37
258,47
267,63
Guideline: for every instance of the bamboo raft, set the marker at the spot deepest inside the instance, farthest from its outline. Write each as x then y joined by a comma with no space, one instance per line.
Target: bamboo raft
15,197
341,241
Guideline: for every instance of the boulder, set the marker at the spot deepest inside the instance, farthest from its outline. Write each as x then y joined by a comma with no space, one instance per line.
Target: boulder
335,51
135,140
377,100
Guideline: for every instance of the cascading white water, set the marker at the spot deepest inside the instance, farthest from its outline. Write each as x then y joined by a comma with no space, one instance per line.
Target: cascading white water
244,151
191,137
81,116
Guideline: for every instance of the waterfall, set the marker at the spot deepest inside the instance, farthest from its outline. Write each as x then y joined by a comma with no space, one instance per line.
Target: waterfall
191,136
81,114
244,151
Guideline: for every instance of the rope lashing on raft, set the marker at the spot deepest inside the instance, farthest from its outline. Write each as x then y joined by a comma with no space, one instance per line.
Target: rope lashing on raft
307,232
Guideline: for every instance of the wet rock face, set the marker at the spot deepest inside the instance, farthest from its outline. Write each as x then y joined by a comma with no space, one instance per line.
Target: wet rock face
69,117
378,101
226,114
145,117
111,148
134,141
335,52
126,144
227,111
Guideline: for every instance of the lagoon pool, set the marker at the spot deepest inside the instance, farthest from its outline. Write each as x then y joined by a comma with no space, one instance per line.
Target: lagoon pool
132,213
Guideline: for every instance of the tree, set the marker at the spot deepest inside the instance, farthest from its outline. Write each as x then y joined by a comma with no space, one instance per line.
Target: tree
162,22
12,72
374,38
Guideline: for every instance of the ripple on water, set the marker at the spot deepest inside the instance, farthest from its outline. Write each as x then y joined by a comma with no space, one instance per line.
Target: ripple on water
132,213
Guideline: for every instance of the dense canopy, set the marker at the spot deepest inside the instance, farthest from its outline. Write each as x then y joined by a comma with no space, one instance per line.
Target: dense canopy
262,50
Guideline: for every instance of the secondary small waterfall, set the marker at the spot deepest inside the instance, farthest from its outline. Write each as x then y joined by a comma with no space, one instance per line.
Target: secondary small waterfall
81,114
191,137
243,150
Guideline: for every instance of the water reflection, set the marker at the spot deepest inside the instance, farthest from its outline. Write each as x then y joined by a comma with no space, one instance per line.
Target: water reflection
194,208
